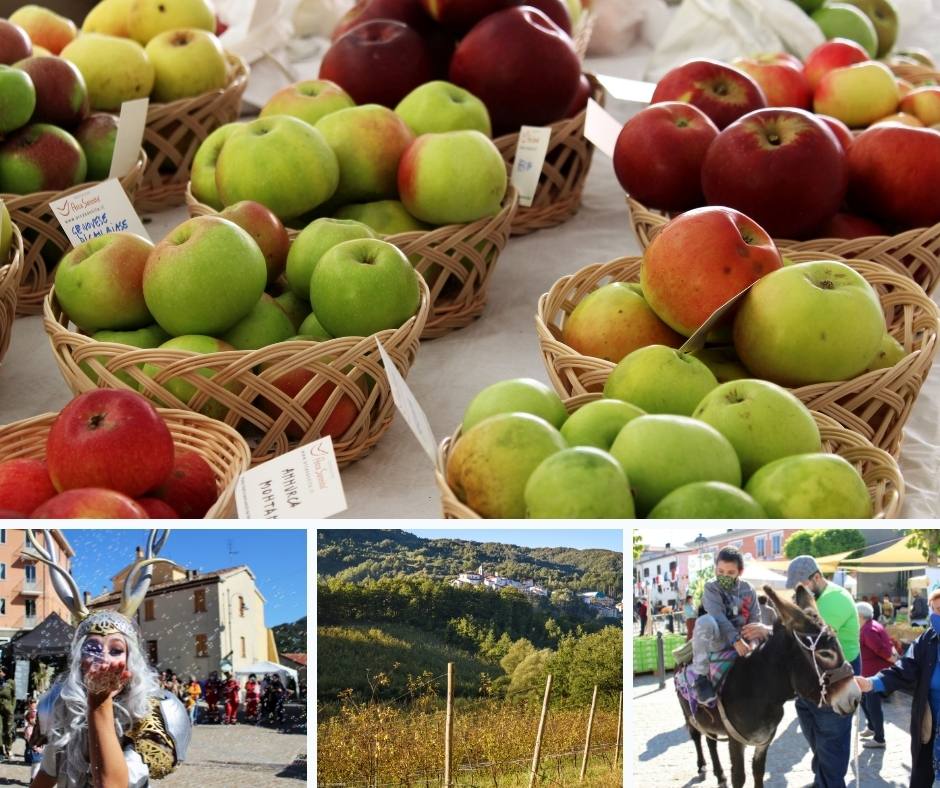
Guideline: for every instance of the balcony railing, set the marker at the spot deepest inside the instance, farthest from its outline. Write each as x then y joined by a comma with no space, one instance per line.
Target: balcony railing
29,622
31,588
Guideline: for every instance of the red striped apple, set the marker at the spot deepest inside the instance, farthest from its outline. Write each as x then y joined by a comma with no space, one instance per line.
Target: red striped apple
783,85
832,54
24,484
722,92
40,157
90,503
61,95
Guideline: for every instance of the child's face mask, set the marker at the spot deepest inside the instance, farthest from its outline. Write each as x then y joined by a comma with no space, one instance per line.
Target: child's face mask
727,582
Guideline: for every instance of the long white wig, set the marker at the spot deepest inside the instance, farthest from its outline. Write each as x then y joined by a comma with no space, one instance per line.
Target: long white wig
69,726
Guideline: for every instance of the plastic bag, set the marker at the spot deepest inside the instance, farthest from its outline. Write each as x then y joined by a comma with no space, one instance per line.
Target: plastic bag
256,27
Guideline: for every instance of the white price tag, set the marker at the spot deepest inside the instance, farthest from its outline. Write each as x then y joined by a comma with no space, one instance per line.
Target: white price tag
628,89
302,484
601,129
530,156
408,406
98,210
130,134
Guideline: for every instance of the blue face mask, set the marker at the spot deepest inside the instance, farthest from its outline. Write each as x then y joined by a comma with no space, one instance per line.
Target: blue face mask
935,622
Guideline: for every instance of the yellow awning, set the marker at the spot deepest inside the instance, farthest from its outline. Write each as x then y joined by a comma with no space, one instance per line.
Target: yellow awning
893,558
827,563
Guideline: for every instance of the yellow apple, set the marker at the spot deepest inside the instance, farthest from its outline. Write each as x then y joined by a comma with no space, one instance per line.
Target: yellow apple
45,28
858,94
186,63
97,56
148,18
109,17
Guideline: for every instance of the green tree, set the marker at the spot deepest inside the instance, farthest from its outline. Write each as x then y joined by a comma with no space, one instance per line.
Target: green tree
529,674
581,663
822,542
927,540
638,546
800,543
518,651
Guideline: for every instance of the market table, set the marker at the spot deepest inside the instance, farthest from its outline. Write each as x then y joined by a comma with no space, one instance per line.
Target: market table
397,478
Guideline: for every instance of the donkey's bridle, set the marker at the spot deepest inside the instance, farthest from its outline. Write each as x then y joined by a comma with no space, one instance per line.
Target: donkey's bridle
826,677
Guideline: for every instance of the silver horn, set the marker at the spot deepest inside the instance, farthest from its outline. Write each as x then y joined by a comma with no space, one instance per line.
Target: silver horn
64,584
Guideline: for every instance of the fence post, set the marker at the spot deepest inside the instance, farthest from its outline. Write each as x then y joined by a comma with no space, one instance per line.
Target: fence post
619,730
661,660
587,740
449,725
533,777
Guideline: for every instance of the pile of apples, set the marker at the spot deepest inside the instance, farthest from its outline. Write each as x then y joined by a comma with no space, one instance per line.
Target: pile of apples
516,56
716,135
109,455
798,324
873,24
521,454
314,153
202,289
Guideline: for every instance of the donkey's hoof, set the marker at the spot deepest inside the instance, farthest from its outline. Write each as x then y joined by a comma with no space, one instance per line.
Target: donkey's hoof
702,771
722,782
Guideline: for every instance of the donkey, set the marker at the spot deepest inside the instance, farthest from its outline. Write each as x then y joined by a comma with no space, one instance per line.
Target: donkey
801,658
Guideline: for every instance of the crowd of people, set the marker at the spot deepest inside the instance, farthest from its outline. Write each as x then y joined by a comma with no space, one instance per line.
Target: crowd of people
218,699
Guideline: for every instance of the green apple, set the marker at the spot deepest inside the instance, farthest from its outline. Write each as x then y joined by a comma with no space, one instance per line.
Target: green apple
202,178
598,423
723,362
315,240
889,353
385,217
149,18
490,465
807,486
368,142
309,100
841,20
6,234
578,483
707,501
266,324
519,395
41,157
186,63
452,178
312,329
364,286
109,85
660,379
97,135
17,98
884,18
812,322
661,453
180,387
296,308
440,106
204,277
99,283
279,161
150,337
763,422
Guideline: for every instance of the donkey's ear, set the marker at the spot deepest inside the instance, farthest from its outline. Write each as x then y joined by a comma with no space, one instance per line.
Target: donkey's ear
790,615
804,599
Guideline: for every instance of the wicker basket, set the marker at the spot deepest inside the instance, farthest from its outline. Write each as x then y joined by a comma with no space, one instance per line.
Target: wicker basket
174,133
877,467
462,257
582,33
9,284
915,253
916,74
40,228
242,385
218,444
567,161
875,404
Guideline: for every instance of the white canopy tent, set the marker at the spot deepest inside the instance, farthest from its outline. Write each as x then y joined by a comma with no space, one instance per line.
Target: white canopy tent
262,667
758,574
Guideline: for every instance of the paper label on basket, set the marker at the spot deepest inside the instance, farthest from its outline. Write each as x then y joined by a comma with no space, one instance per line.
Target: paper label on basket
697,340
530,156
601,128
408,406
130,135
98,210
302,484
628,89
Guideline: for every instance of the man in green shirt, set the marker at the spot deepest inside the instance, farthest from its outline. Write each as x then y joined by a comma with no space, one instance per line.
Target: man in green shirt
829,734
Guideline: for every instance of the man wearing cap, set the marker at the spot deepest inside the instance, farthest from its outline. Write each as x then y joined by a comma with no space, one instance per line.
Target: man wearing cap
829,734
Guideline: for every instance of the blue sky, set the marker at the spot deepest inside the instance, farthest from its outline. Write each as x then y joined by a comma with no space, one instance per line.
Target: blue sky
535,537
278,559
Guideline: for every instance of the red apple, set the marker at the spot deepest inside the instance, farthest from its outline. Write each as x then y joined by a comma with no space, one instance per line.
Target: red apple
411,12
659,153
782,167
581,96
848,225
267,230
378,62
556,10
24,484
835,53
783,85
157,509
722,92
843,133
343,415
893,175
700,260
461,15
61,95
40,157
90,503
784,57
14,43
924,104
112,439
521,65
191,488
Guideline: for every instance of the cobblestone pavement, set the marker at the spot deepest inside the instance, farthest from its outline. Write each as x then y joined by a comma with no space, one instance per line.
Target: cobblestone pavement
222,756
892,765
665,756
